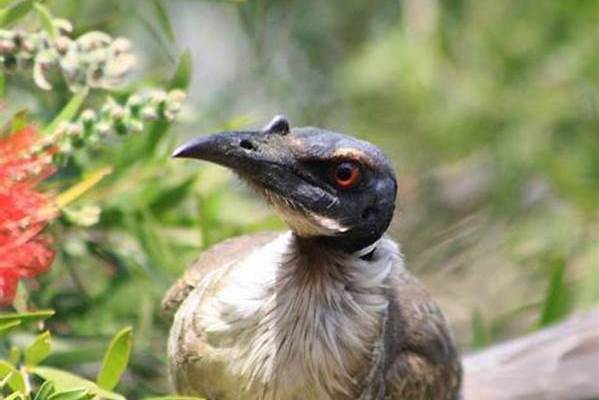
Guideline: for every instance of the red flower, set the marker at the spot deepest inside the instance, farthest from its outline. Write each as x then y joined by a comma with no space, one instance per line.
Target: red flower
24,212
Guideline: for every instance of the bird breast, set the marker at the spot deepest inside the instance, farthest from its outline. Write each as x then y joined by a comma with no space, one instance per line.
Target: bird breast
282,324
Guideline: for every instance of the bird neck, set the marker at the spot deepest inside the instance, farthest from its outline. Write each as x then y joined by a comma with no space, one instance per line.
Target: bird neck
295,295
336,246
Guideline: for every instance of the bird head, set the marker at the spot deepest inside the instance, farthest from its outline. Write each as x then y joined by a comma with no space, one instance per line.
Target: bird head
325,185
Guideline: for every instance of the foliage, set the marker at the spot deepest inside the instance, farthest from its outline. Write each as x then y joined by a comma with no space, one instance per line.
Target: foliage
27,157
24,368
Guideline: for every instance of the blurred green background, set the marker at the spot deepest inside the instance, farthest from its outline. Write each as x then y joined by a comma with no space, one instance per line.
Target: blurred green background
488,109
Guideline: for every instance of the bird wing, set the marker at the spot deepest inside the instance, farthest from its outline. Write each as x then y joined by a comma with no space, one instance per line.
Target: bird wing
557,363
421,358
216,257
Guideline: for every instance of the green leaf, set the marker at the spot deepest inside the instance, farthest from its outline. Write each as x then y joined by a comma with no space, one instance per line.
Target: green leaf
4,381
78,351
481,336
16,381
68,112
556,301
182,76
19,120
169,197
26,316
15,396
14,356
74,394
44,391
115,359
39,349
77,190
152,241
15,12
163,19
47,20
2,84
66,381
5,326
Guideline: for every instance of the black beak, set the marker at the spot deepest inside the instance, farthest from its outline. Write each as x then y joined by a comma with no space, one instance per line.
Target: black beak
261,157
265,158
230,149
241,149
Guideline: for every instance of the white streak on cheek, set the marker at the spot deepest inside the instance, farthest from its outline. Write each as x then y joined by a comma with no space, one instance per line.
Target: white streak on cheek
304,223
329,223
309,224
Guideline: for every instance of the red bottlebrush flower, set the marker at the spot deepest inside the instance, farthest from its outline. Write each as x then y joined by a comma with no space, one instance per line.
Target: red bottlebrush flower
24,211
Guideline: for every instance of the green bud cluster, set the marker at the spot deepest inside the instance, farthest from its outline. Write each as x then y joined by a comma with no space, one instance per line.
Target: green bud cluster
114,118
94,59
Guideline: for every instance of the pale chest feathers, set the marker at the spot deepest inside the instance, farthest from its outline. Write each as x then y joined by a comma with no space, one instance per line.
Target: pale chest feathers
316,317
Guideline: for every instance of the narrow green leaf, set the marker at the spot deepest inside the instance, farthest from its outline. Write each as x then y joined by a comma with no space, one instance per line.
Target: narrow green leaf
74,394
4,381
77,190
14,356
481,336
182,76
68,112
163,19
6,326
15,396
16,381
76,352
45,391
169,197
66,381
38,350
15,12
556,301
115,359
151,240
2,84
26,316
19,120
47,20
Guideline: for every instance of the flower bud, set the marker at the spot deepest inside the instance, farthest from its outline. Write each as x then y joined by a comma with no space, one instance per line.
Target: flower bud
7,46
149,113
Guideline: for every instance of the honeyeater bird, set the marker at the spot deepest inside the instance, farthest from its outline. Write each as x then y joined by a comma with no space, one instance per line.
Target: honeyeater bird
327,310
324,311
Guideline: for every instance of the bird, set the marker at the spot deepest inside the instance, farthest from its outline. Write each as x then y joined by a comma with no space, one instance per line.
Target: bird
324,311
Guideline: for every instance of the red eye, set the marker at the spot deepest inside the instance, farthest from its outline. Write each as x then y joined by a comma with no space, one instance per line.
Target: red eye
346,174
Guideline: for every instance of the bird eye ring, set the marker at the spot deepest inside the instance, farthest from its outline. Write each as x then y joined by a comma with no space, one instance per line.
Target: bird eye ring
346,174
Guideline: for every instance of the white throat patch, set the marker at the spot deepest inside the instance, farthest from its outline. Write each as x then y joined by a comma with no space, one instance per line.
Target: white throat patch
315,318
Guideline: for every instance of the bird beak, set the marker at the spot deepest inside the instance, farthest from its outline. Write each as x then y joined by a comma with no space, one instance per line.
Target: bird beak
230,149
268,160
242,151
255,155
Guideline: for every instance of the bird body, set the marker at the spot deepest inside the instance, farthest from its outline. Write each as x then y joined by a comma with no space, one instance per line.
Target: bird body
285,323
326,311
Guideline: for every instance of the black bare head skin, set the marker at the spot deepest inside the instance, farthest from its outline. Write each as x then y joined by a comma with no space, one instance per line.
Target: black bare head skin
327,186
